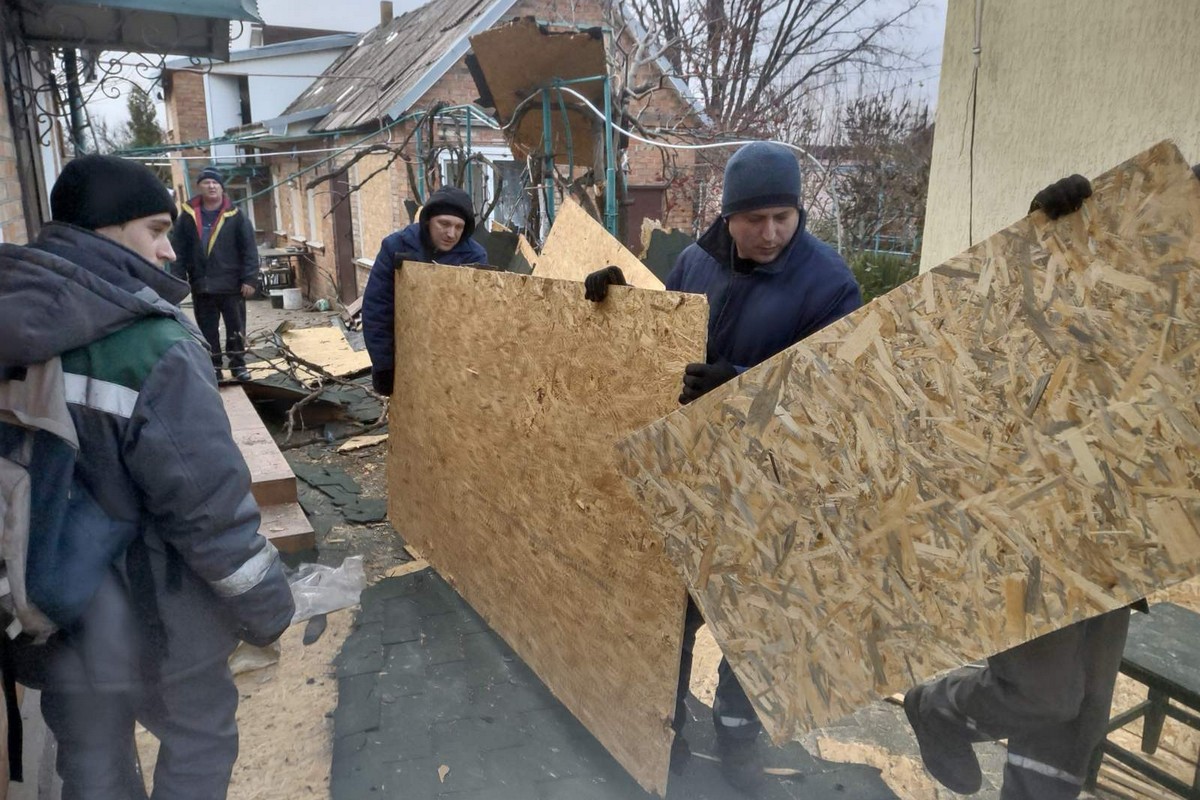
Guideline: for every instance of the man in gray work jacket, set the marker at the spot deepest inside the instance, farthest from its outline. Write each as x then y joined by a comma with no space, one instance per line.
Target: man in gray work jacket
167,559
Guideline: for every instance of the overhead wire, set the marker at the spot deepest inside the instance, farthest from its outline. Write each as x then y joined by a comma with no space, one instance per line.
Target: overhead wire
825,172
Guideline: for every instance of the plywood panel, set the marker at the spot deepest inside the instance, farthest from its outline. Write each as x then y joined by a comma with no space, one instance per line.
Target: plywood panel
520,58
327,347
578,245
984,455
502,474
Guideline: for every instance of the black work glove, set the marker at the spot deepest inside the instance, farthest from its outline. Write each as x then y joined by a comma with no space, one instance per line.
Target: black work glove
700,379
595,286
1062,197
399,259
382,379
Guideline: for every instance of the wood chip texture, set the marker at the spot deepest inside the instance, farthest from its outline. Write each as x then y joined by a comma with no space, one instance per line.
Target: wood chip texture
578,245
986,454
502,474
326,346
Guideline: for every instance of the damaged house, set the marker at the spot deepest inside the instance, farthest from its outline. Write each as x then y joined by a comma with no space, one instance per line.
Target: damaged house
399,114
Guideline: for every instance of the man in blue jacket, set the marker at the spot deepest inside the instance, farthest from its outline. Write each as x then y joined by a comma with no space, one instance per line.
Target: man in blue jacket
769,283
441,235
169,558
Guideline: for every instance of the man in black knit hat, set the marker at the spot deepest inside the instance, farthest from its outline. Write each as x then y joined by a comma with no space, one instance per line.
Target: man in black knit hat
162,569
441,235
218,256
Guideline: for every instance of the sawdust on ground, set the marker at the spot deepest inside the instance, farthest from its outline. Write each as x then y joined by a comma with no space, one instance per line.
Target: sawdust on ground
285,720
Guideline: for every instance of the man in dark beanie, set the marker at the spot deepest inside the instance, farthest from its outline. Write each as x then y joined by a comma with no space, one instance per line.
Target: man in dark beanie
770,283
218,256
161,568
441,235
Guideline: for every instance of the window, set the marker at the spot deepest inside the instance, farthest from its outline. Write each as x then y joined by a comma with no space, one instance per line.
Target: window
313,219
297,230
244,99
278,208
480,180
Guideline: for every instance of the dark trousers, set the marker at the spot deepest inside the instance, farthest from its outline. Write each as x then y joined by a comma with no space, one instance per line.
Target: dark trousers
210,310
733,715
196,725
1049,697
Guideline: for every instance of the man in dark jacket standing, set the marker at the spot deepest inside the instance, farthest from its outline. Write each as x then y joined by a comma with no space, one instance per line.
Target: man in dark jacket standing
218,256
441,235
157,473
769,283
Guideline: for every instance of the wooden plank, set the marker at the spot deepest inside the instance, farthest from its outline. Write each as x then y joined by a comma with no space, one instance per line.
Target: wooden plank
287,527
501,473
272,481
578,245
271,477
1013,447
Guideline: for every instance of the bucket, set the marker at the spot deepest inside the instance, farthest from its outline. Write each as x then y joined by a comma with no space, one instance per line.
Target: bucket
292,299
276,298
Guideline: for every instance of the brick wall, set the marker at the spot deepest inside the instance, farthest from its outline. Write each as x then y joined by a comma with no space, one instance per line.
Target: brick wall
12,212
187,120
318,271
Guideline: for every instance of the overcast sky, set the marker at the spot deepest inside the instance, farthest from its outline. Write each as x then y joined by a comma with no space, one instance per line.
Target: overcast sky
921,38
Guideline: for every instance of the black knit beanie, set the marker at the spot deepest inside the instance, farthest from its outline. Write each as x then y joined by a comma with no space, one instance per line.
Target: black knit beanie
95,191
760,175
450,200
210,174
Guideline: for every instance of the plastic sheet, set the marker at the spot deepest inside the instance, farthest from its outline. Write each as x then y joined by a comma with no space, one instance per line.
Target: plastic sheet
319,589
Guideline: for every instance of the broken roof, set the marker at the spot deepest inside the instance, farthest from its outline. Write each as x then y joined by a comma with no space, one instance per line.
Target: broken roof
390,67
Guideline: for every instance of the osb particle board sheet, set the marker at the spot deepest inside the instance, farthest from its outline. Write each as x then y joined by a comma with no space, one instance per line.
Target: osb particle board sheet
984,455
525,250
502,474
518,59
327,347
577,245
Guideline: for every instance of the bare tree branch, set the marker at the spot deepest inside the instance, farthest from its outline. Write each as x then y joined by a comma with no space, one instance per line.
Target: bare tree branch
750,59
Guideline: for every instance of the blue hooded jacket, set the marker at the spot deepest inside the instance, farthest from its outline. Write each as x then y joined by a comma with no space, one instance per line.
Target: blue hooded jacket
754,315
379,298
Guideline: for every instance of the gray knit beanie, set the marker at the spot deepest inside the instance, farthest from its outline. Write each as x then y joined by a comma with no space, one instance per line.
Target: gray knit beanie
760,175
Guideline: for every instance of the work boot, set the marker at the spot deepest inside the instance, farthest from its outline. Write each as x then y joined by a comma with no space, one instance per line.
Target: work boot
741,763
945,745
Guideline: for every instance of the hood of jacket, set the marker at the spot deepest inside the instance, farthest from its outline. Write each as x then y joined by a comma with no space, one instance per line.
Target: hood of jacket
447,200
72,287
